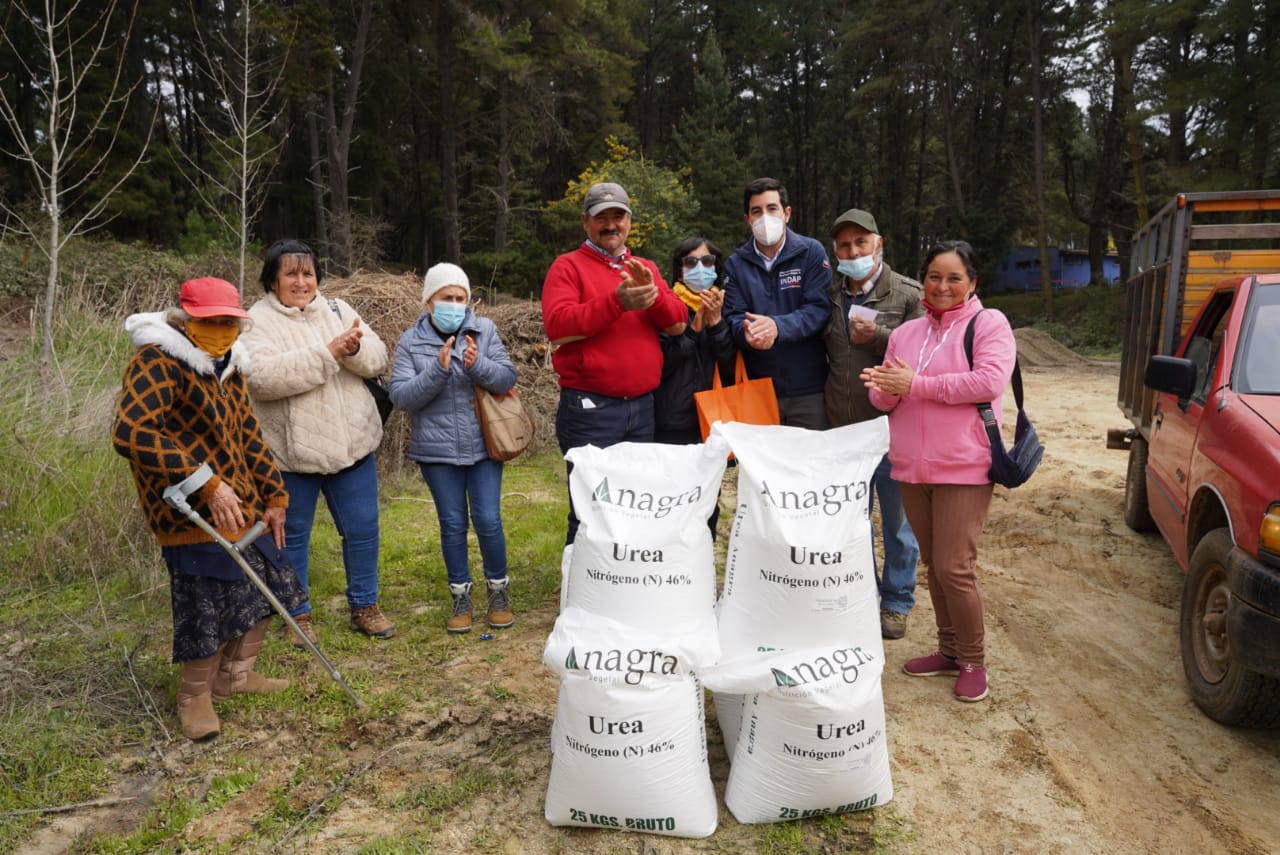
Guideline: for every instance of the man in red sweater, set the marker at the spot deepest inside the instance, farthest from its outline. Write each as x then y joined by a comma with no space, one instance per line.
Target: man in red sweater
602,308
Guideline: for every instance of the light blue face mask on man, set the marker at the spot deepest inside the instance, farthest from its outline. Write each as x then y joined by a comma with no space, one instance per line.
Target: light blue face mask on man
448,316
857,269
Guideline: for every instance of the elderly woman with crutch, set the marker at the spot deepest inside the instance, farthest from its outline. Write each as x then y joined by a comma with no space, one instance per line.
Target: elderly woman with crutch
187,428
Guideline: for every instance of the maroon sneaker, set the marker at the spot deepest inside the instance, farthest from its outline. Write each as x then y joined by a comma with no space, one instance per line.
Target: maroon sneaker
931,665
971,685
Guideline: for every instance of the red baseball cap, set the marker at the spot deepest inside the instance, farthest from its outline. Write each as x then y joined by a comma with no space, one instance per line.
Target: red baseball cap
210,297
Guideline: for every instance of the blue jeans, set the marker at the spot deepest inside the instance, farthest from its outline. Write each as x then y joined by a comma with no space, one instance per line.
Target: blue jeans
608,421
352,497
454,488
897,579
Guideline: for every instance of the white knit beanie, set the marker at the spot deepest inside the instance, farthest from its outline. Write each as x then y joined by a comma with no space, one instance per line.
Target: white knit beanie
443,275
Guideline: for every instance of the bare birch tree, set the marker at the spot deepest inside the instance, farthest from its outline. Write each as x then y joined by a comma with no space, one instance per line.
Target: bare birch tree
67,156
242,152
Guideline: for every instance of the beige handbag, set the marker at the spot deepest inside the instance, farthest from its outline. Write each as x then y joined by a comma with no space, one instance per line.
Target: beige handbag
506,424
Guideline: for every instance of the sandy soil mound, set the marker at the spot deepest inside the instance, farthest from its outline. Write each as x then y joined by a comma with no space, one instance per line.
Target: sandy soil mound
1038,349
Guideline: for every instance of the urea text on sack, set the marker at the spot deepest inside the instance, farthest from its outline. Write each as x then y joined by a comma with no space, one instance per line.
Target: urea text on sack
793,582
648,580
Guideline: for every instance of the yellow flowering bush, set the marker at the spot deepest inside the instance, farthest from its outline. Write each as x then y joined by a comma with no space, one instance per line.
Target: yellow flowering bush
664,207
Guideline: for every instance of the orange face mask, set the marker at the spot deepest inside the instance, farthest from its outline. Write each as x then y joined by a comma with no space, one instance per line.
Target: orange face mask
214,338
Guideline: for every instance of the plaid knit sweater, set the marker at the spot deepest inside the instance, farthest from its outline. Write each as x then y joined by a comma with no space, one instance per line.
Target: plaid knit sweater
175,413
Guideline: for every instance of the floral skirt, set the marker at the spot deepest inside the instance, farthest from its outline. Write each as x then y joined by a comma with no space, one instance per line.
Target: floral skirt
208,612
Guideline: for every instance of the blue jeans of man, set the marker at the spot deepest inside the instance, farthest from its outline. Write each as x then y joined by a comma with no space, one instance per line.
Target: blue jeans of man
585,418
897,578
455,489
352,497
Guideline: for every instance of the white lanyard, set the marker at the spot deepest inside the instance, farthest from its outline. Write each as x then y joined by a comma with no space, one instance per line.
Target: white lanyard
923,363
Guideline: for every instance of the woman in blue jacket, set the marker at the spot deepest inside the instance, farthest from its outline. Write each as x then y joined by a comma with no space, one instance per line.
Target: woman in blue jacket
440,360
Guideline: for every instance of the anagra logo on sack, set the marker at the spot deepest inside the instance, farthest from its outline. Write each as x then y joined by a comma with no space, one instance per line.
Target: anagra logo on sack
830,499
844,661
634,663
641,500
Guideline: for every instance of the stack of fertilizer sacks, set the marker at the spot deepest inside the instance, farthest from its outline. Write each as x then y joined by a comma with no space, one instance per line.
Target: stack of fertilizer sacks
797,688
636,628
791,650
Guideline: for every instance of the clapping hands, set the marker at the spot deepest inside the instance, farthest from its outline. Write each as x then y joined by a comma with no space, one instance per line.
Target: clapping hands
637,291
709,310
347,342
760,331
469,352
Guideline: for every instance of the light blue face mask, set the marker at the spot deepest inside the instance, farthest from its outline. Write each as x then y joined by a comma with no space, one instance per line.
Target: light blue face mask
857,269
700,278
448,316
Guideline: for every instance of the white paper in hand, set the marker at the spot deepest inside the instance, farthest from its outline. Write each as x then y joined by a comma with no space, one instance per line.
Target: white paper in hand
856,311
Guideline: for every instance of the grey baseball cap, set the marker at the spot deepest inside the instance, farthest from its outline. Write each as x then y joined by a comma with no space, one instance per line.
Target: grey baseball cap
602,197
855,217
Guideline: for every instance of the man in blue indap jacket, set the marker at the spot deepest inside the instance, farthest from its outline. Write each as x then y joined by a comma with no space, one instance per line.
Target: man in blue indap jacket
776,303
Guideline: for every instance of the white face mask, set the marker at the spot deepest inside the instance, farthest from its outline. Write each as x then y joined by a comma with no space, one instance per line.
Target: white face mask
768,229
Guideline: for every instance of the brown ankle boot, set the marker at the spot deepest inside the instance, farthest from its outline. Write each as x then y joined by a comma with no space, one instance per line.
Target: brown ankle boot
500,615
235,672
460,620
195,702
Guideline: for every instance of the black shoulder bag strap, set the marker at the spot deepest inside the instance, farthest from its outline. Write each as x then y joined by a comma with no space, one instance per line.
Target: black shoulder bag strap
988,415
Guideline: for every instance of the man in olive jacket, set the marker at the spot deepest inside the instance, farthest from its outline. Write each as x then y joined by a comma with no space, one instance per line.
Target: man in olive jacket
868,300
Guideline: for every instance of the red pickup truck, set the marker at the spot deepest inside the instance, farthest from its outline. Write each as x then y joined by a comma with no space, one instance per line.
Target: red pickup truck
1204,452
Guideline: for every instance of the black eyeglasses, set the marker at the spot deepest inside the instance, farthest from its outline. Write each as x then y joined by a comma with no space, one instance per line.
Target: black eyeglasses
691,261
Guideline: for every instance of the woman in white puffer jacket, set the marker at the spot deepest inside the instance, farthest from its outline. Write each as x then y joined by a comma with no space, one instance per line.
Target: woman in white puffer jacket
311,356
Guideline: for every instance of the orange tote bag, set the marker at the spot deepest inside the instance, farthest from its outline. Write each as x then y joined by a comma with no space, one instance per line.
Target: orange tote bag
749,401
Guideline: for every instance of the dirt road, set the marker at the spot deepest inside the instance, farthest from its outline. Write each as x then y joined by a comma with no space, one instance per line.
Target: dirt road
1089,742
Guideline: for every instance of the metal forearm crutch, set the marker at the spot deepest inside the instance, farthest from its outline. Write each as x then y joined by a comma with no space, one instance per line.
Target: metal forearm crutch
176,496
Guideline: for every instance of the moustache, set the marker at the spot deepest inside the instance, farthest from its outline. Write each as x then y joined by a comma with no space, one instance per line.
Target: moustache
606,232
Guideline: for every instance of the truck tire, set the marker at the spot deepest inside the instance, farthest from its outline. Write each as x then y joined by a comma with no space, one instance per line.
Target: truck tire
1226,691
1137,513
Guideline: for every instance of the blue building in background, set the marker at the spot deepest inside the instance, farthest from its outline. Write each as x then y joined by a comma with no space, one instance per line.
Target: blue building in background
1068,268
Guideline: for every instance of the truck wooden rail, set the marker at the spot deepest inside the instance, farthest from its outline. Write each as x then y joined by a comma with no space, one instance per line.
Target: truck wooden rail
1173,267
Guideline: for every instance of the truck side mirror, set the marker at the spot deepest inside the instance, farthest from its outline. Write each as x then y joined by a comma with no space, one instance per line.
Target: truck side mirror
1171,374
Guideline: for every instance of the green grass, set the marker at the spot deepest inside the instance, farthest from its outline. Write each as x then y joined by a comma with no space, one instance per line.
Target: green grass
84,615
1088,320
87,686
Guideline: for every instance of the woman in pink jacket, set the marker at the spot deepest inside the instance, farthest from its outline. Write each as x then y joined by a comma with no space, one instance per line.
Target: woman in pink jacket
939,449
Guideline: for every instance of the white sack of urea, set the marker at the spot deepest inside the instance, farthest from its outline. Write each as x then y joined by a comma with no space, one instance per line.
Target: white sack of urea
800,568
629,746
566,560
643,552
812,739
728,708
